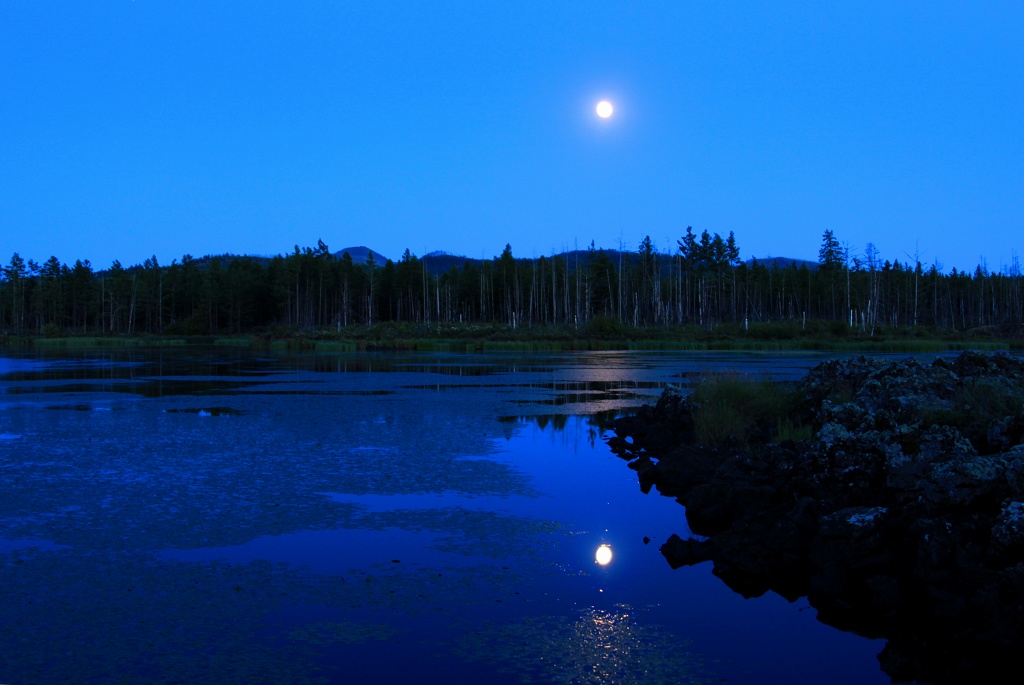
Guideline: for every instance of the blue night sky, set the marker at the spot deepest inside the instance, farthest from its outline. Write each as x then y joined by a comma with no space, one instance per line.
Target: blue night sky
130,129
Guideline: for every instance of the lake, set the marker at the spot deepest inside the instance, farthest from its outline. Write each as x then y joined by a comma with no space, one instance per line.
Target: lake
225,515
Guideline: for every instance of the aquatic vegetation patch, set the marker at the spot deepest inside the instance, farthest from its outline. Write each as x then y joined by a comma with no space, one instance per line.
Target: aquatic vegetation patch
154,479
336,393
119,487
128,619
329,633
472,532
117,492
207,411
7,545
137,617
75,407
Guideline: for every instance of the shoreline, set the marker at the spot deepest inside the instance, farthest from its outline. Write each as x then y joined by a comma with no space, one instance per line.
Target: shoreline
900,514
480,338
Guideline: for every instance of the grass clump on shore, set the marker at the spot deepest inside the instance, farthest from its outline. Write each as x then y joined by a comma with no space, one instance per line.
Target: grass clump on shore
734,409
106,342
601,333
977,406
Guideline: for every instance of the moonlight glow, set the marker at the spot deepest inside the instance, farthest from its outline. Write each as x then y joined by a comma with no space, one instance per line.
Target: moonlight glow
603,555
604,109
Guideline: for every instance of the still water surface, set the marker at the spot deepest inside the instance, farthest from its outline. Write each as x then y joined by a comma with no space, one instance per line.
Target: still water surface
222,516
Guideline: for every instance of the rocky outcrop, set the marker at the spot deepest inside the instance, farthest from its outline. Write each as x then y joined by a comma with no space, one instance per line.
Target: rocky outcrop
902,517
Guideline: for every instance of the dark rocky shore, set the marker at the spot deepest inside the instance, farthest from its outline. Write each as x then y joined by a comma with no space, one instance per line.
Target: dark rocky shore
902,517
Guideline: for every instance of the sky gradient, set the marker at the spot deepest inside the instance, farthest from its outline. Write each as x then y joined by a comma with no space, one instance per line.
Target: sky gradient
131,129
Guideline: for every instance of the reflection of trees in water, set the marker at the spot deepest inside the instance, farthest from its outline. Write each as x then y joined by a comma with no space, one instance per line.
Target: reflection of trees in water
555,421
593,425
599,647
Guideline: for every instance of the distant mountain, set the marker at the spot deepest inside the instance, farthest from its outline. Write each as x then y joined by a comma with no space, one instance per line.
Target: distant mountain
439,262
782,262
361,254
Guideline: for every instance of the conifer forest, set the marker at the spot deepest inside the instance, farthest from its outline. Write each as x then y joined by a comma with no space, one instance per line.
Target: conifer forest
701,281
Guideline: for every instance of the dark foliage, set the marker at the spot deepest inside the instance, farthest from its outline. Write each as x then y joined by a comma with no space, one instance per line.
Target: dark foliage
702,284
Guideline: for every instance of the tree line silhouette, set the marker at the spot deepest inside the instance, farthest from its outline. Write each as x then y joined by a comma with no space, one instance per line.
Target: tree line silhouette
701,281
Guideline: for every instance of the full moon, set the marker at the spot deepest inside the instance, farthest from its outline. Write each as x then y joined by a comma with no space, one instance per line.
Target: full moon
604,555
604,109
